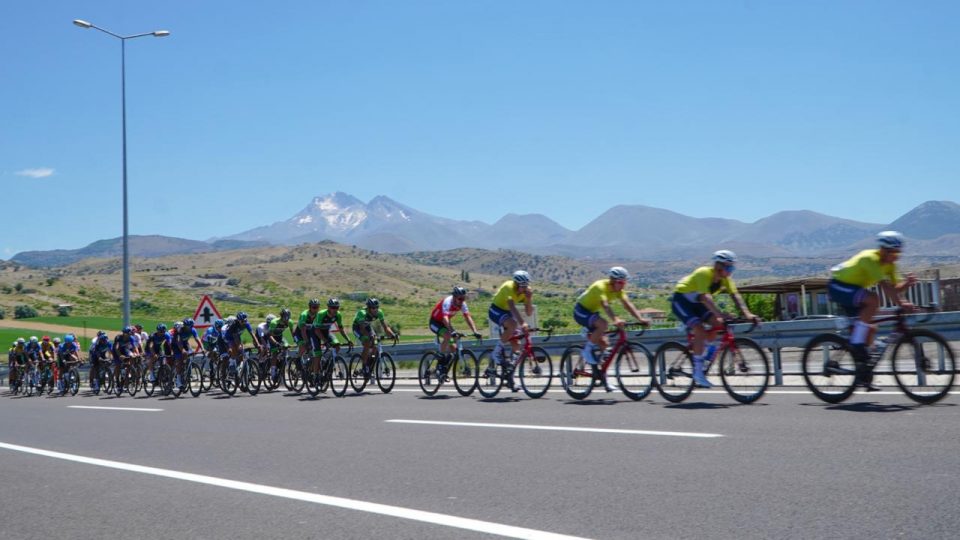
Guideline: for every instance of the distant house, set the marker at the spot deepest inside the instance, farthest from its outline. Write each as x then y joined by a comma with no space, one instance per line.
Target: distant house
656,316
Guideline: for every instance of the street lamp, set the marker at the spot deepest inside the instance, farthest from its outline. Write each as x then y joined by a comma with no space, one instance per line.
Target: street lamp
123,106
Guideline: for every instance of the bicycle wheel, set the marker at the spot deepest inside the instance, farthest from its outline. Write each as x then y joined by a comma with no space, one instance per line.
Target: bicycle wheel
339,376
133,381
745,371
195,380
312,377
465,371
634,369
105,375
386,373
829,368
148,385
923,366
73,381
427,373
575,374
490,378
536,373
252,376
165,379
674,375
292,375
358,380
228,378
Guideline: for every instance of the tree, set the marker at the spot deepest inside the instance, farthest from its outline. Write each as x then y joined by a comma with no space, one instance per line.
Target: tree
24,311
762,305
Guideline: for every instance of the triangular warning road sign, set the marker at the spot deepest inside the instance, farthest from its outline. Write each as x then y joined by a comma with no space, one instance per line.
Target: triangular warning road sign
206,313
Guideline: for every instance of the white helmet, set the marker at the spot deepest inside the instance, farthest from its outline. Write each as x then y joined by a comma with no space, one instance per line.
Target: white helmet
890,240
618,272
33,339
521,277
725,256
270,317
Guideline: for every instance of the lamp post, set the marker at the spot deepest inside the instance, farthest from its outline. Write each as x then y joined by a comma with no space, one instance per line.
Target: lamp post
123,107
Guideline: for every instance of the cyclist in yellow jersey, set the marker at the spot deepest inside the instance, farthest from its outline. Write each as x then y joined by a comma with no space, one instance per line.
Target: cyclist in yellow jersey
849,288
503,311
597,297
693,304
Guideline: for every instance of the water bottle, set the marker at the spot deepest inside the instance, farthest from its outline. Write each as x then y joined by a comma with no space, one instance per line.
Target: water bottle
711,350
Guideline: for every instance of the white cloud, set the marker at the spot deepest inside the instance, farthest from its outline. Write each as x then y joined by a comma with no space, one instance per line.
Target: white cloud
41,172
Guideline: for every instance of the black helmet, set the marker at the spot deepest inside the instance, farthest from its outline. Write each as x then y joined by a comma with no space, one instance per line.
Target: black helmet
188,322
373,303
459,291
284,314
333,302
314,302
241,316
161,327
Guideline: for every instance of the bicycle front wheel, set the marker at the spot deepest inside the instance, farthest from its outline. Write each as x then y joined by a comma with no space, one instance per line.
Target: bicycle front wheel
358,380
386,373
73,381
427,373
634,370
829,368
745,371
923,366
575,374
339,376
674,371
194,379
536,373
465,371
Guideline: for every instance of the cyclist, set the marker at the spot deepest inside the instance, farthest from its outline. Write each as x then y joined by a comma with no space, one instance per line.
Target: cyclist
693,304
19,361
361,329
504,314
158,344
262,330
587,313
100,347
180,338
849,288
274,337
233,337
47,350
321,329
32,349
67,355
141,338
213,338
125,349
440,325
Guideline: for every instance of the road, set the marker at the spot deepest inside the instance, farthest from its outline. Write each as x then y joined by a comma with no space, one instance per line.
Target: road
279,465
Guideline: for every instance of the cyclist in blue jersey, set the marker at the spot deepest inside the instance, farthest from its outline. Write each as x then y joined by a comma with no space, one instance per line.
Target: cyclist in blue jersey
100,349
233,336
158,344
180,337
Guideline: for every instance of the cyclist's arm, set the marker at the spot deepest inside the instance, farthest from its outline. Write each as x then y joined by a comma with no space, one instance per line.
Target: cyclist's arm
609,311
893,292
628,305
707,300
469,318
742,306
516,313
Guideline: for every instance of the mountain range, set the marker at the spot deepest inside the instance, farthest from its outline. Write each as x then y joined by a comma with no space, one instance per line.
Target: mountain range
627,232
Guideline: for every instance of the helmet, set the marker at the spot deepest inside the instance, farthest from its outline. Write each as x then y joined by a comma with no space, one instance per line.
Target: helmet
521,277
188,322
284,314
101,333
270,317
242,316
459,291
218,323
314,302
127,329
890,240
33,339
46,338
333,302
56,341
21,341
138,327
177,325
618,272
101,337
161,327
68,338
724,256
373,303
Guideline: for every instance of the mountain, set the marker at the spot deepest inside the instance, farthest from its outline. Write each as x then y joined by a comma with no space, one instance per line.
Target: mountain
930,220
527,230
140,246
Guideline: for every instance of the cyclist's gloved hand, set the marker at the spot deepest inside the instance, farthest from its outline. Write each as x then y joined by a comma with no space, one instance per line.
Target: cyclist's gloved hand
477,335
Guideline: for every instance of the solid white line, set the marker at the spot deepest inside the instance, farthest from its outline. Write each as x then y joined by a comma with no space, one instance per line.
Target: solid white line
340,502
111,408
563,428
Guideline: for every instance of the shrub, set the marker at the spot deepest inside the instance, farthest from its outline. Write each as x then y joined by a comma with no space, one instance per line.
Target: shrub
64,311
24,312
2,313
141,306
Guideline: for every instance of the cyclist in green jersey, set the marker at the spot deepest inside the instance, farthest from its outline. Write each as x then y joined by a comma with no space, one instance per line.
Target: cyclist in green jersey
361,329
274,337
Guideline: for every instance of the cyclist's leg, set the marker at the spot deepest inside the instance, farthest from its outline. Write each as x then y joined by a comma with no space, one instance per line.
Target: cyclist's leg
505,323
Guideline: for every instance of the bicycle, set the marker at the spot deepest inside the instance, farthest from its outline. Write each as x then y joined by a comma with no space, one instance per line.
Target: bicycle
384,370
922,363
332,371
533,366
101,376
127,376
743,366
633,367
433,370
45,378
276,358
193,373
161,375
69,378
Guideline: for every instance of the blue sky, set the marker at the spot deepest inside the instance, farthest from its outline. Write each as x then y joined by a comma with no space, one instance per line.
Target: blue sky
472,109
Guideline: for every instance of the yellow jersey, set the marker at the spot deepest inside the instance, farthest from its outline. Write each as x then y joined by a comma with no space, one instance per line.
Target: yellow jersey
508,291
701,282
601,290
865,270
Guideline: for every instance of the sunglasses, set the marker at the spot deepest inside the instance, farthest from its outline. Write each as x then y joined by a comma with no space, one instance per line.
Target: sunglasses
729,268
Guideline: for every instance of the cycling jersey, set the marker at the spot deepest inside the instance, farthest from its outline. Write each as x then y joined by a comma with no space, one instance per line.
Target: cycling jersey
158,343
599,291
277,327
865,270
182,338
68,349
701,282
211,335
262,330
364,317
124,342
508,291
448,308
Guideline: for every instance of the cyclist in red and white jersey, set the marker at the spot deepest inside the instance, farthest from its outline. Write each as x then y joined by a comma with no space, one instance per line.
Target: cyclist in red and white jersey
444,311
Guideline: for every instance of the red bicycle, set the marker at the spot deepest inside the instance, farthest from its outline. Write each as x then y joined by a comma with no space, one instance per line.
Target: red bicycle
533,364
633,367
743,367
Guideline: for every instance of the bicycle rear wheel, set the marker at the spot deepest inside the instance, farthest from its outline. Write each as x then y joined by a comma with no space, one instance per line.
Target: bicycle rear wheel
923,366
575,374
829,368
536,373
252,376
312,378
674,371
339,376
358,380
293,375
490,377
194,381
165,379
634,370
745,371
427,373
386,373
227,377
465,371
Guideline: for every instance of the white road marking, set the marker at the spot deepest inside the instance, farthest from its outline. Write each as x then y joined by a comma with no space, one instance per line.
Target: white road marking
112,408
562,428
452,391
339,502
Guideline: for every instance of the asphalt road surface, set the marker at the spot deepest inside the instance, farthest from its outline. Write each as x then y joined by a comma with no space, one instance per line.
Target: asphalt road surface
406,466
